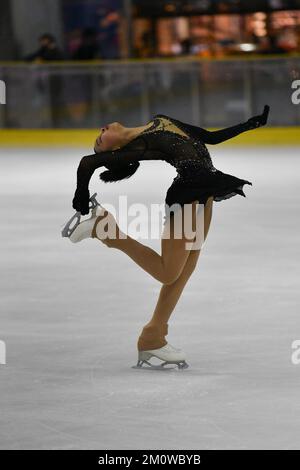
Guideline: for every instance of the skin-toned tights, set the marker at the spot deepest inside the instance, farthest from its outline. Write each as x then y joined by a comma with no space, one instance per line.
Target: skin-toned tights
172,268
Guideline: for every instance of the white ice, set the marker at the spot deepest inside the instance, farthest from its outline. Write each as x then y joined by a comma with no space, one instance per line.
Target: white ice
71,314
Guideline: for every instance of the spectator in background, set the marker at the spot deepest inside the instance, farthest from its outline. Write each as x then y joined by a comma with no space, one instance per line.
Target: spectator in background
48,50
186,45
78,91
109,26
88,49
270,45
147,48
73,39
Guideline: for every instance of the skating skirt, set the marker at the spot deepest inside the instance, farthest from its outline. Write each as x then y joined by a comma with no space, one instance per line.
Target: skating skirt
201,186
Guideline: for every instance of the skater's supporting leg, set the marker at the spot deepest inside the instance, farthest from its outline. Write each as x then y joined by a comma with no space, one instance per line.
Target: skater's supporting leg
165,268
153,334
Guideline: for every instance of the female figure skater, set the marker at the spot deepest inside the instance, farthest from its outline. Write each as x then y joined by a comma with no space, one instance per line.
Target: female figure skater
120,149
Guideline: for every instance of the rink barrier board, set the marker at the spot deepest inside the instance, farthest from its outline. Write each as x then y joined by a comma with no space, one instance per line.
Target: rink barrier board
86,137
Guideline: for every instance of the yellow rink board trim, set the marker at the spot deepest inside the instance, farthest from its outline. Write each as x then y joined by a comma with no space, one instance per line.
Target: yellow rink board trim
86,137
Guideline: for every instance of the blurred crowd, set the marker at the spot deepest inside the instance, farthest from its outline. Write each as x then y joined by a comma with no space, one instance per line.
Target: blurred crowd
84,45
266,45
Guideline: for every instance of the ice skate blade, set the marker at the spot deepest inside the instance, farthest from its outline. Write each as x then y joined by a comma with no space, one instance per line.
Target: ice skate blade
180,365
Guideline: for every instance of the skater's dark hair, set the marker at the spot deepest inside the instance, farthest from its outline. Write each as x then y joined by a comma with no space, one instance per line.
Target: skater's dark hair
120,173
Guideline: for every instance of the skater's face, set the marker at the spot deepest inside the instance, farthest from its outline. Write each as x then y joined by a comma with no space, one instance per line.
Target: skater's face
109,137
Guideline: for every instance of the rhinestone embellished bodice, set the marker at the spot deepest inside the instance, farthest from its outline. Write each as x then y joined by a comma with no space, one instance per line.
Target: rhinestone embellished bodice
180,144
189,156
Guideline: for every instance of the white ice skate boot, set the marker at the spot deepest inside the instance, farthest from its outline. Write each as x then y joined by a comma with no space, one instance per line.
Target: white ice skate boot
77,231
70,228
167,353
85,228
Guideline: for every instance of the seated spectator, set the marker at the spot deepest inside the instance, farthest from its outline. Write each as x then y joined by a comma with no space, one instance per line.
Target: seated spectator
270,46
186,45
88,49
48,50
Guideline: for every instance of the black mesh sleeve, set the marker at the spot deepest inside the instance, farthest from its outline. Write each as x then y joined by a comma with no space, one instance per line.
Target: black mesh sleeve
110,159
121,162
214,137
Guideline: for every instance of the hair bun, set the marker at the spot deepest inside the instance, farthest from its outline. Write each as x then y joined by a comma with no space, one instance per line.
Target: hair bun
124,172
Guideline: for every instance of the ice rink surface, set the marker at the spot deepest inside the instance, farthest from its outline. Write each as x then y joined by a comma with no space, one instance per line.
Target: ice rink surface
71,314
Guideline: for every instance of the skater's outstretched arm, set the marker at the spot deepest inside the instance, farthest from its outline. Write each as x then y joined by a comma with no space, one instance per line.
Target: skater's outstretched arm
216,137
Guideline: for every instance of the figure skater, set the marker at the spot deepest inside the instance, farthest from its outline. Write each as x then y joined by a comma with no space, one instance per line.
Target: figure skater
120,149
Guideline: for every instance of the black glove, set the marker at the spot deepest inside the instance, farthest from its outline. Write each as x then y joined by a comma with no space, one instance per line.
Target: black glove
81,201
260,120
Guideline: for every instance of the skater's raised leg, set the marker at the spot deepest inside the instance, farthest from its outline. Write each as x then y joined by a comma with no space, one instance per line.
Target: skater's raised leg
165,268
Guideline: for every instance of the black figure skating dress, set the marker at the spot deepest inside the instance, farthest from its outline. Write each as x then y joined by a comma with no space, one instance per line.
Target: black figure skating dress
179,144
